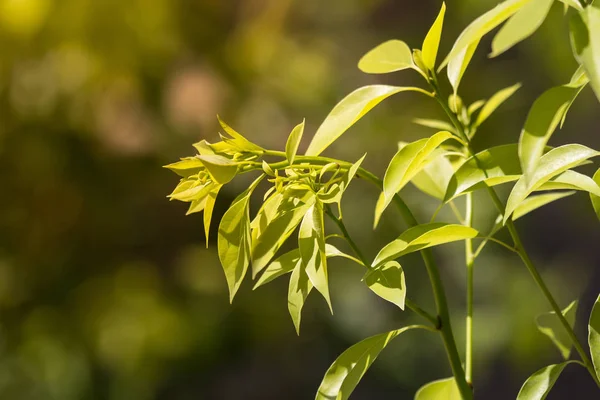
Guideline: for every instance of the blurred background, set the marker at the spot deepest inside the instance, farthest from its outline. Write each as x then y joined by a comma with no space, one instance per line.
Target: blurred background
106,288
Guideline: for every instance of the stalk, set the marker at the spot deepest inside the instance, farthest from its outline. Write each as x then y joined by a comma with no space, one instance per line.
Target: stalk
469,261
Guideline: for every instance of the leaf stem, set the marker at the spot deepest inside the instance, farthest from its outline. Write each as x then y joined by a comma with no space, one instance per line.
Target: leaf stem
470,262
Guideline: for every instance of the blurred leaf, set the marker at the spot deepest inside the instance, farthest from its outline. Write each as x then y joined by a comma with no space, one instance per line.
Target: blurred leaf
352,108
291,147
390,56
186,167
299,288
240,141
387,281
494,102
550,325
539,385
311,241
423,236
475,106
443,389
596,199
550,165
572,180
433,179
573,3
542,120
594,336
521,25
532,203
493,166
432,40
345,373
585,41
221,169
435,124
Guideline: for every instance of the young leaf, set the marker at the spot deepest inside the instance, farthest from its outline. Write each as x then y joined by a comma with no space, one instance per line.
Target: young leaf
197,205
221,169
345,373
572,180
186,167
433,179
550,165
538,385
241,142
573,3
311,242
494,102
291,147
521,25
459,63
390,56
434,124
208,210
550,326
335,195
352,108
387,282
596,199
585,41
331,251
594,336
443,389
191,190
423,236
475,106
543,118
532,203
281,266
493,166
432,40
299,288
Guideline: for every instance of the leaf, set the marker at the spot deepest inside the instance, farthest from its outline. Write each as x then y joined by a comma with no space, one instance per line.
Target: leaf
335,195
208,210
550,165
596,199
475,106
550,326
352,108
543,118
573,3
534,202
494,102
538,385
521,25
432,40
458,65
572,180
332,251
282,265
197,205
186,167
221,169
423,236
291,147
594,336
191,190
435,124
347,370
493,166
311,242
443,389
433,179
407,162
240,141
390,56
299,289
387,282
585,41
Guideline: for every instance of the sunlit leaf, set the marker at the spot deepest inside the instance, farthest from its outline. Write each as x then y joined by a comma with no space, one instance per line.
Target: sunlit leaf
390,56
311,242
459,63
521,25
291,147
352,108
284,264
494,102
387,281
197,205
335,195
550,325
596,199
345,373
585,40
221,169
191,190
594,336
433,179
240,141
475,106
550,165
572,180
208,210
432,40
435,124
331,251
186,167
443,389
299,288
573,3
538,385
532,203
423,236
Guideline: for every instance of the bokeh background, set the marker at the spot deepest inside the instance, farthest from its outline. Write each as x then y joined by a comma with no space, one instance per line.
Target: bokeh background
106,288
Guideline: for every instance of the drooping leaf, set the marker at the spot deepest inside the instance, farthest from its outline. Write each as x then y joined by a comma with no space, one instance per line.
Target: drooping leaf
221,169
538,385
585,41
443,389
345,373
435,124
594,336
186,167
390,56
407,162
240,141
291,147
432,40
433,179
352,108
532,203
388,282
596,199
543,118
197,205
423,236
521,25
208,210
493,166
494,102
571,180
284,264
299,289
550,325
311,242
550,165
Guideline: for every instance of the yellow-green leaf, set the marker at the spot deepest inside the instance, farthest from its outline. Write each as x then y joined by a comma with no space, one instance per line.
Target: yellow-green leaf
532,203
208,210
494,102
388,282
443,389
573,3
221,169
433,179
572,180
284,264
291,147
596,199
352,108
432,40
594,336
186,167
390,56
550,325
299,289
435,124
238,140
459,63
538,385
585,40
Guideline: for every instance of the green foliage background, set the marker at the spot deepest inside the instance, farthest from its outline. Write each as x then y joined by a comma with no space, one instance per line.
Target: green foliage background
106,289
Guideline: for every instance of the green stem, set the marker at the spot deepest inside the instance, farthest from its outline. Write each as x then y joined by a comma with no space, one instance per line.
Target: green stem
469,261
